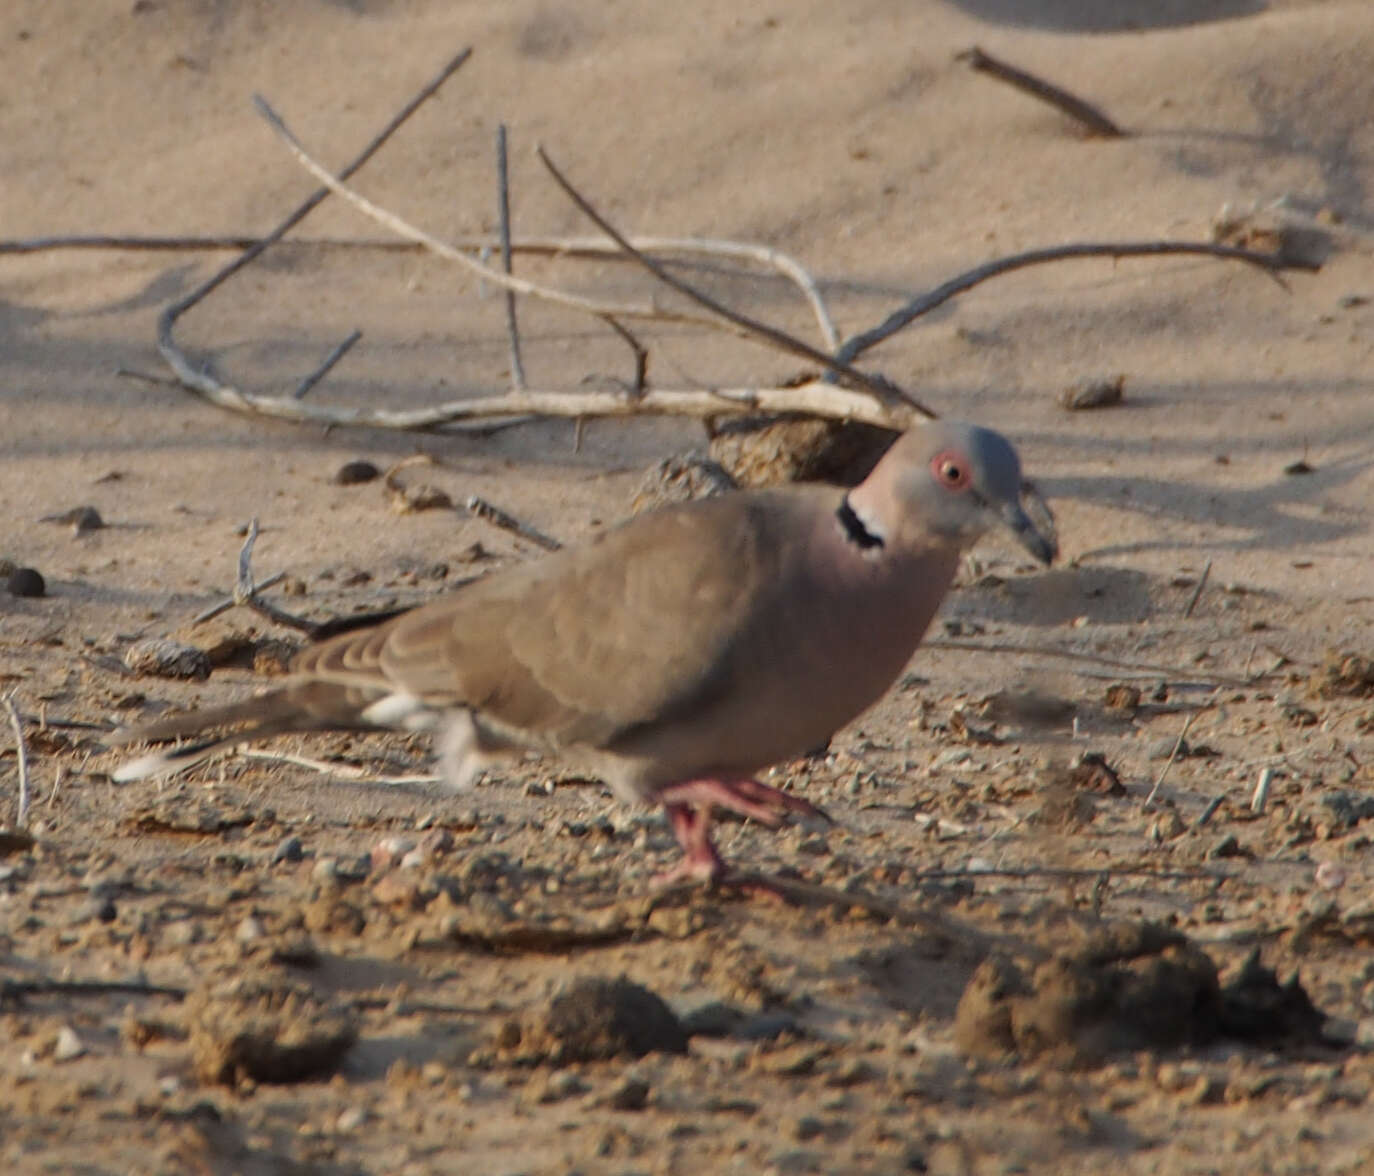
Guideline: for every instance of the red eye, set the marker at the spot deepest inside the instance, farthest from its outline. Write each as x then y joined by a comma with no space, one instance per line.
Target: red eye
950,470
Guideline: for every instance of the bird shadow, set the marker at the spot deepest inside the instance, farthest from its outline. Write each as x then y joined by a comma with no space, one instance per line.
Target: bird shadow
1095,16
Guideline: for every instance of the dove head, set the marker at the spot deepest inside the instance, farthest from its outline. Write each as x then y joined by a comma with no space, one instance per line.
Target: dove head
946,483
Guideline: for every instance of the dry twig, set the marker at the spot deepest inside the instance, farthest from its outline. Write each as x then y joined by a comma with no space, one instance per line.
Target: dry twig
517,366
14,990
206,384
1093,121
923,304
22,757
879,387
480,508
1197,592
1169,763
344,771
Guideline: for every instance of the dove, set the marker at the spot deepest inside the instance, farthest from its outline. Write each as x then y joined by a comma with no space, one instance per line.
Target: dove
675,656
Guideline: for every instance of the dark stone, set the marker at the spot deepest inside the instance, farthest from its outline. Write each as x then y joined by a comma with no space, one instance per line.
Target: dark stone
25,582
355,473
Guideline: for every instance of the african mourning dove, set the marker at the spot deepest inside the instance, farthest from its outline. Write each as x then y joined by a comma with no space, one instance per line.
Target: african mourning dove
674,656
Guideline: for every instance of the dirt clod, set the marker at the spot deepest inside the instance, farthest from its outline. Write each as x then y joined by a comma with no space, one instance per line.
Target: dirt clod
266,1031
771,451
160,657
594,1019
1343,674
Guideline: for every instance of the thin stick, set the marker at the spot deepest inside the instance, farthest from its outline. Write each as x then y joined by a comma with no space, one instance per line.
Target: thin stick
1045,872
345,771
141,244
327,366
641,355
341,771
246,592
815,398
1209,812
225,605
1141,669
243,586
403,228
22,755
1197,592
147,377
1169,763
597,247
11,990
881,388
166,344
67,724
480,508
56,784
517,367
923,304
1089,117
1260,800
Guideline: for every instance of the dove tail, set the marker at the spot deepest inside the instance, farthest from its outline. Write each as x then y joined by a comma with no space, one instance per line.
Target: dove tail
217,728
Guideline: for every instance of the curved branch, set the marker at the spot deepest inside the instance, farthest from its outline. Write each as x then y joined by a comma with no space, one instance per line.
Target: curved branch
879,387
925,303
814,397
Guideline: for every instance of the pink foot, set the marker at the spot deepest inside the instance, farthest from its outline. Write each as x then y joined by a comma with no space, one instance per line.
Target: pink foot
689,807
747,797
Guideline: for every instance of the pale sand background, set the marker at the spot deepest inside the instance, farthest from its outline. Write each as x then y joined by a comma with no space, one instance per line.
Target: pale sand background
842,133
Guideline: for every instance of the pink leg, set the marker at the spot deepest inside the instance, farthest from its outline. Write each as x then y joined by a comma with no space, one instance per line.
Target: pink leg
701,862
689,807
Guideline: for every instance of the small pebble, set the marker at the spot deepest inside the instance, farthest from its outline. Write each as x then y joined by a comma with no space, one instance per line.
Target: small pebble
290,850
1162,749
1330,876
326,869
249,930
630,1094
356,473
390,850
713,1019
766,1026
351,1119
68,1045
25,582
436,842
1227,847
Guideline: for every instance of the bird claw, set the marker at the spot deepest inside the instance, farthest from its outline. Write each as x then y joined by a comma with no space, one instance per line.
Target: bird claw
745,796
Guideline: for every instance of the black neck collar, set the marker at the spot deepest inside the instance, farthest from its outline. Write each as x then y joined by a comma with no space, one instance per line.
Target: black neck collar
854,529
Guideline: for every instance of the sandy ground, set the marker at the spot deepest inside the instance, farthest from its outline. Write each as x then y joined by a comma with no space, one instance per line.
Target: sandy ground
847,136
